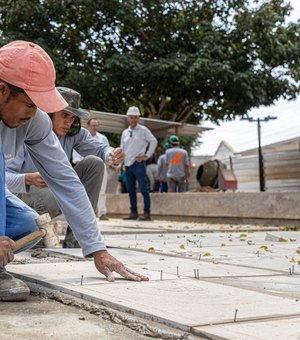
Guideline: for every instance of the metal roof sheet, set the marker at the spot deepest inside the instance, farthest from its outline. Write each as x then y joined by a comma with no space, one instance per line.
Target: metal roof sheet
116,123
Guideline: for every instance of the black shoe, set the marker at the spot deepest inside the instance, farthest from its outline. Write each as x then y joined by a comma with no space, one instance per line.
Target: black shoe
12,289
103,218
132,216
70,240
145,217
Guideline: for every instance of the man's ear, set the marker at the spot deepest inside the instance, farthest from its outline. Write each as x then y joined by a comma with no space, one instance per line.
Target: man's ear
4,89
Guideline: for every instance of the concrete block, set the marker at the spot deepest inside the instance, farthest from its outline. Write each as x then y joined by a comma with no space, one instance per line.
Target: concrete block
278,329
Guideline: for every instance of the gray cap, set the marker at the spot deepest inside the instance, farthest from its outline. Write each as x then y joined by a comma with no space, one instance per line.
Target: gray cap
72,97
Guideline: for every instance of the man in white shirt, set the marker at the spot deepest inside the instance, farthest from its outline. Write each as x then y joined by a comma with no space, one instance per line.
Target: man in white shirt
138,144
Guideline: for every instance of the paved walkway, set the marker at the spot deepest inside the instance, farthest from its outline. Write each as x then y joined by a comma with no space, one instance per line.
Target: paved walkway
228,283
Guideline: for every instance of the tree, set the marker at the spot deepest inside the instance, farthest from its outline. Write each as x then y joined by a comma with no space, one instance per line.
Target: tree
177,60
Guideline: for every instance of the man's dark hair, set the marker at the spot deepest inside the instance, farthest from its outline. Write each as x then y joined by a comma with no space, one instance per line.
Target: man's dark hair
14,90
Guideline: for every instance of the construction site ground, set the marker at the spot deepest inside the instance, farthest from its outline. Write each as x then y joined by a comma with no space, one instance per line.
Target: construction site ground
211,281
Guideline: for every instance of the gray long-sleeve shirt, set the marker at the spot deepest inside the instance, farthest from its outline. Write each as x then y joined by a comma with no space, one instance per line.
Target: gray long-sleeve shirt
52,163
162,169
82,142
135,142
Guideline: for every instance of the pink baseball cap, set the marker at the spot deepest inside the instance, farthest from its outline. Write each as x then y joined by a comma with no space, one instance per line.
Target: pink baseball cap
26,65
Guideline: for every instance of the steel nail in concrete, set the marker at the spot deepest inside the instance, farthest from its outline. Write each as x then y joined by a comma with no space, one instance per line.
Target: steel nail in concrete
200,256
235,314
195,273
161,274
198,276
81,281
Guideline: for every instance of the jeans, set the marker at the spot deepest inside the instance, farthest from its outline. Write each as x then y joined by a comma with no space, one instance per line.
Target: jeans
90,171
163,187
137,172
16,218
176,184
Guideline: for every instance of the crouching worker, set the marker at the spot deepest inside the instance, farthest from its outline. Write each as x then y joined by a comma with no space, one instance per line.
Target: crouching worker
27,82
23,179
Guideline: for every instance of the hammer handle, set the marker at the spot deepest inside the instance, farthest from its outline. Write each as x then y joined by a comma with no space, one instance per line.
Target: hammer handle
24,241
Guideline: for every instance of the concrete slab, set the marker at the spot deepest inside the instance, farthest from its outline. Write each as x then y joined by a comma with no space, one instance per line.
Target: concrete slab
257,253
213,239
181,303
288,285
153,264
256,330
119,226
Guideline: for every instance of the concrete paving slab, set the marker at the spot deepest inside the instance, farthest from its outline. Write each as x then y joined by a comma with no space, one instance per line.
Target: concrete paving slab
119,226
154,263
192,240
114,226
176,302
261,330
288,285
197,242
270,262
233,277
278,257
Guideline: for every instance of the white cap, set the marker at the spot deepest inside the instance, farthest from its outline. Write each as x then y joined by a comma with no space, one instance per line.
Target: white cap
133,111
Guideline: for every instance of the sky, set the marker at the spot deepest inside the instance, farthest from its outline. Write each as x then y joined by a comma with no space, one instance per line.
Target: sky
242,135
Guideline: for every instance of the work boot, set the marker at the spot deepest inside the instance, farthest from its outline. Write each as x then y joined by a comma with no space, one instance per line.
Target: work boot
70,240
12,289
145,217
132,216
103,218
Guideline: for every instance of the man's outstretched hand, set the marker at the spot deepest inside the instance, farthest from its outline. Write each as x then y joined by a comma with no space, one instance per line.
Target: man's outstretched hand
107,264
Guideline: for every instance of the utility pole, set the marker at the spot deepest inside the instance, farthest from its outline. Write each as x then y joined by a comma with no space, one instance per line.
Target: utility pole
262,182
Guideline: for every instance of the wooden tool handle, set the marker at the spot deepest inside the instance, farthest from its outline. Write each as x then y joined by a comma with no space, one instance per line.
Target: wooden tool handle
24,241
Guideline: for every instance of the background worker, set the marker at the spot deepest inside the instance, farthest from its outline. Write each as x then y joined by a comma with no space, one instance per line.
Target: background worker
27,81
138,144
22,177
162,170
177,163
152,173
93,127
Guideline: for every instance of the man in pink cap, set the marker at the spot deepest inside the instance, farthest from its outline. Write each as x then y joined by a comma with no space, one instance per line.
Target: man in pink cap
27,89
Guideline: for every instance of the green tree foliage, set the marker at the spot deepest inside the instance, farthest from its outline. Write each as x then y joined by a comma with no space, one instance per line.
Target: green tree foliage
177,60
